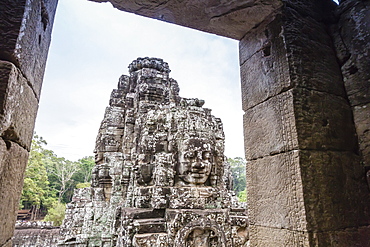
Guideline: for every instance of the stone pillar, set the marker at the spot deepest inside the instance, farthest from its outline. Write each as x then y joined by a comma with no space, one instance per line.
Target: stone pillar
25,27
306,186
352,42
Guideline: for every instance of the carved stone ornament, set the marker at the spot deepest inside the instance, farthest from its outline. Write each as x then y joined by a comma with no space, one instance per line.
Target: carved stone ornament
161,177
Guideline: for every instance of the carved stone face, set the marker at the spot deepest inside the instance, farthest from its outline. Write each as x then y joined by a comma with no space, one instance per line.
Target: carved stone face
201,238
99,156
195,162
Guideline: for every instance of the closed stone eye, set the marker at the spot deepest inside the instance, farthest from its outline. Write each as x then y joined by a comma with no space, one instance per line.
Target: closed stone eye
206,155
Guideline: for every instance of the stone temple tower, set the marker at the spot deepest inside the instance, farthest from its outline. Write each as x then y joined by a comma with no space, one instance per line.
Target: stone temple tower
161,177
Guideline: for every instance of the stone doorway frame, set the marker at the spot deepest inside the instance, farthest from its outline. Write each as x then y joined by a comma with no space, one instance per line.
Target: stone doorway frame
304,103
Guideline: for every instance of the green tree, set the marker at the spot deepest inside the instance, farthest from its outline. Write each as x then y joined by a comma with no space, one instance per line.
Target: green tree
242,195
61,172
83,185
86,164
50,180
56,214
237,166
36,192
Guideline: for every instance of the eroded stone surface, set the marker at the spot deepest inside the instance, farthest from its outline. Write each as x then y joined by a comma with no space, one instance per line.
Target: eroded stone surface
352,42
229,18
13,160
275,192
18,106
33,234
304,175
161,177
277,116
25,28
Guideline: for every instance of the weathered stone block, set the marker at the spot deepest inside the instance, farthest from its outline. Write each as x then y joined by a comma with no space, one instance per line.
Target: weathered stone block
361,115
323,121
275,195
18,106
37,236
25,28
272,123
272,59
252,43
266,72
354,33
312,61
357,79
334,187
299,117
231,18
13,160
353,237
264,65
271,237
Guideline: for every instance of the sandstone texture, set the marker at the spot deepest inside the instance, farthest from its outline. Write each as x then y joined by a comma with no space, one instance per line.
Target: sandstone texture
18,106
305,90
229,18
352,42
13,160
35,234
304,178
25,28
161,177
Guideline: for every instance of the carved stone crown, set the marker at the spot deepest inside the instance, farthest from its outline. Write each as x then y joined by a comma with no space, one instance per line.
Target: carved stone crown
152,63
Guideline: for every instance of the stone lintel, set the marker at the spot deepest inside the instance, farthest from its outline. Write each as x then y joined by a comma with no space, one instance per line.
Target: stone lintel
233,18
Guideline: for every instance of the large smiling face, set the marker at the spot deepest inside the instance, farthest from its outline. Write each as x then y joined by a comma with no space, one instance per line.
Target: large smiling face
195,162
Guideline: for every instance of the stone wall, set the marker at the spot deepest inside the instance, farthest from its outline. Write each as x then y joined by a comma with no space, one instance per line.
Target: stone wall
314,139
35,234
352,42
304,178
25,28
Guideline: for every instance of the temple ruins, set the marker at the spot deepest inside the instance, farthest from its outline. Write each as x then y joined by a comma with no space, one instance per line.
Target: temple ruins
161,177
304,68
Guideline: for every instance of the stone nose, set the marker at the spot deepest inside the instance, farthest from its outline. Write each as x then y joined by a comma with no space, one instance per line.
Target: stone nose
198,164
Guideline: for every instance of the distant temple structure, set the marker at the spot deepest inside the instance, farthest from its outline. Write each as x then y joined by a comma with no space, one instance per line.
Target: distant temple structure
161,177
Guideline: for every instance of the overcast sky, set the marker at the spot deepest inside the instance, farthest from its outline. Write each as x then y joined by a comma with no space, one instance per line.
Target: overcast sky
92,45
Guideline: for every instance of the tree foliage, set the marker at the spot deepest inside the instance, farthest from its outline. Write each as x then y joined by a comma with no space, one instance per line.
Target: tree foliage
237,166
37,192
86,164
50,180
56,214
